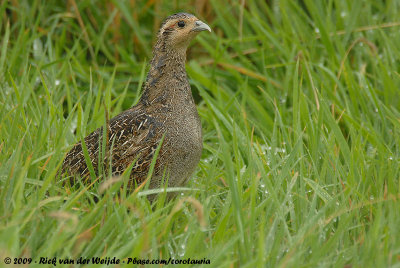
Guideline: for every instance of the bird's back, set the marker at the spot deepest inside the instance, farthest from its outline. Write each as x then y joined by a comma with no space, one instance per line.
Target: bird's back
131,135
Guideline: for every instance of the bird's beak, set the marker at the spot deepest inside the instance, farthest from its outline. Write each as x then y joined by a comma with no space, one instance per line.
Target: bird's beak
200,26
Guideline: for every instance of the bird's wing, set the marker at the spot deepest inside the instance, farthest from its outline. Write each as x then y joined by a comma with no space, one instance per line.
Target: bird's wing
131,136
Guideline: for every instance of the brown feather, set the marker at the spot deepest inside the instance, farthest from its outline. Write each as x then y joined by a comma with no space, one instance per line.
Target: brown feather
165,108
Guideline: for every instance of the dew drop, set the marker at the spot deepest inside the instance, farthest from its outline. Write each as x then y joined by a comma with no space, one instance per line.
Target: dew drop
181,252
242,170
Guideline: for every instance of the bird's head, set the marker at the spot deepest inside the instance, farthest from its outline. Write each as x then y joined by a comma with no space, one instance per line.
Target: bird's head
179,29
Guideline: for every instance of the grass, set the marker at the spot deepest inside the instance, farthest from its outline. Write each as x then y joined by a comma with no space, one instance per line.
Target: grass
300,107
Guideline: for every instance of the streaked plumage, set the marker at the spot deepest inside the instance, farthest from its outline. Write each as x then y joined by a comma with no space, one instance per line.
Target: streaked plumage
166,107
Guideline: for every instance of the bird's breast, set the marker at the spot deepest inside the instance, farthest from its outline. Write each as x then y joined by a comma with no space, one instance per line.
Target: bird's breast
185,129
184,137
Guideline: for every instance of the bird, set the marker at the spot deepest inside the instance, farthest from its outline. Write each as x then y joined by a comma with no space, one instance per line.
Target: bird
165,116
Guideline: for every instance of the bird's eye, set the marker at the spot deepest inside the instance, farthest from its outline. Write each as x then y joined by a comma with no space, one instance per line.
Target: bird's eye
181,23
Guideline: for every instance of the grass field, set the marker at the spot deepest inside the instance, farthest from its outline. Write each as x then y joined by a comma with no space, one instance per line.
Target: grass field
300,107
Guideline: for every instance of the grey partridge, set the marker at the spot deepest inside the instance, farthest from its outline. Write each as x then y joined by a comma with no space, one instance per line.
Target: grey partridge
166,110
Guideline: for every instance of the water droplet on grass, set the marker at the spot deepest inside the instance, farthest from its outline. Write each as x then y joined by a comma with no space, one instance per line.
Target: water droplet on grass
242,170
182,250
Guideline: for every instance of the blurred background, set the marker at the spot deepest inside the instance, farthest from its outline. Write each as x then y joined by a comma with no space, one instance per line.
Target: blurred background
300,107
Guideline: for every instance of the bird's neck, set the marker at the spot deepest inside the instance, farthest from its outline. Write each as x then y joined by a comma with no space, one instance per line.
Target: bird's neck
167,79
